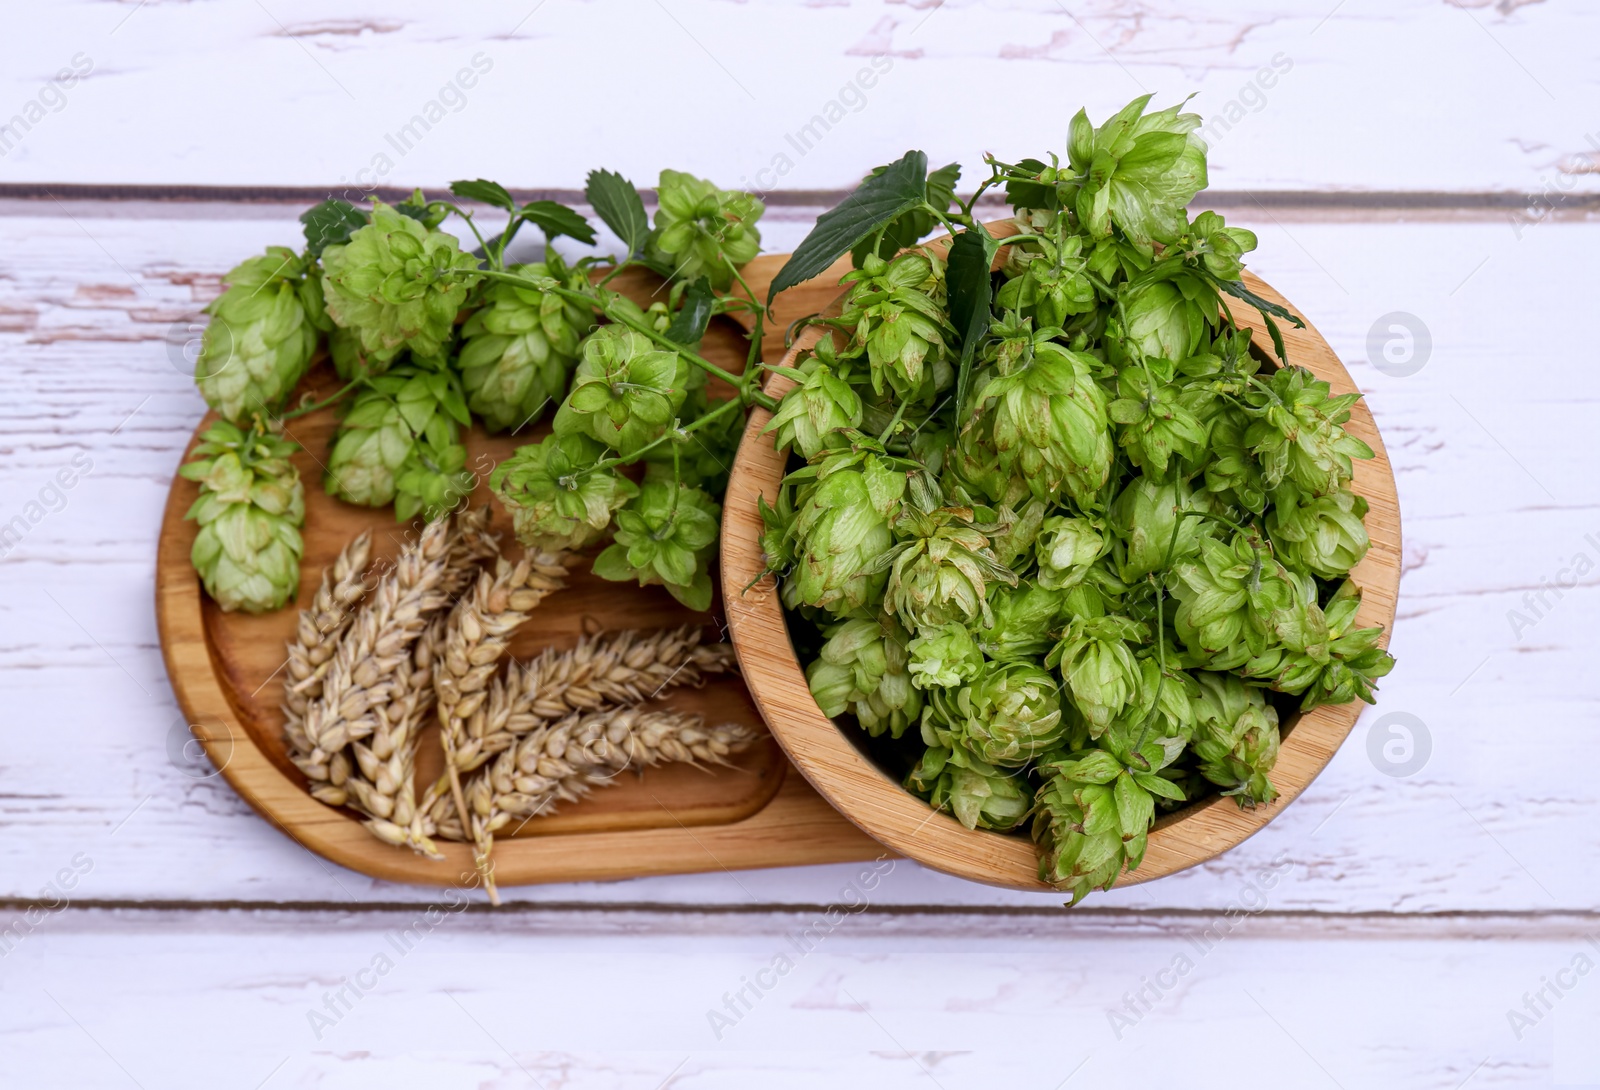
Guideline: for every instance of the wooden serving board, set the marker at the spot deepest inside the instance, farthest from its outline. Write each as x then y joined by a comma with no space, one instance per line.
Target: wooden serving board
227,672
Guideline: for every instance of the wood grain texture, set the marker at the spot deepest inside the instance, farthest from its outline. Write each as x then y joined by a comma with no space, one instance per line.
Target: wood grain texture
227,672
89,296
308,93
862,792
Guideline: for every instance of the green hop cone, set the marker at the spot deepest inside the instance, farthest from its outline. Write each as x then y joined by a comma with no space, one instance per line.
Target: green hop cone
1322,535
1157,421
667,540
1047,422
701,230
250,510
941,569
1010,714
814,413
1096,660
398,285
1049,285
896,310
556,501
1139,171
1342,666
863,668
262,333
1018,533
1092,818
1024,616
978,794
1220,248
1163,706
433,480
625,392
400,442
841,528
1298,433
520,344
1232,472
945,657
1163,322
1237,739
1152,531
1230,597
1067,549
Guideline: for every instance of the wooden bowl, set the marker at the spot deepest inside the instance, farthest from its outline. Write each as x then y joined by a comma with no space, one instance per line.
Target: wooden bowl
896,818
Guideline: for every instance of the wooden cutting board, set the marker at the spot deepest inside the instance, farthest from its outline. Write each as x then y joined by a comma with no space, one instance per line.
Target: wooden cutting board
227,672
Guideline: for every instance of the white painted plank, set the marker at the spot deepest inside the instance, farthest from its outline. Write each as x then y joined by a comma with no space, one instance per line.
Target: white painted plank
1500,413
1364,95
201,1000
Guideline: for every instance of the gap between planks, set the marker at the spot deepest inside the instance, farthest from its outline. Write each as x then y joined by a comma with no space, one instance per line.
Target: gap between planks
239,202
578,918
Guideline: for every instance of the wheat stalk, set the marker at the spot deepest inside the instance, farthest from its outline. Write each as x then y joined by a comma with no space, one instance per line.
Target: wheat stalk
321,625
563,762
478,633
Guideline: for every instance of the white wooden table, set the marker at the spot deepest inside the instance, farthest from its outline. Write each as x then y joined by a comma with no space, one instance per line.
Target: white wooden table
1388,930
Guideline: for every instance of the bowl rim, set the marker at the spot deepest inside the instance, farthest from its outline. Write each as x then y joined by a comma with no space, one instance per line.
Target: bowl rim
881,807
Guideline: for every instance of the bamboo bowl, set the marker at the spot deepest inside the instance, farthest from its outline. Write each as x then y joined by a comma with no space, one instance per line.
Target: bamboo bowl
883,809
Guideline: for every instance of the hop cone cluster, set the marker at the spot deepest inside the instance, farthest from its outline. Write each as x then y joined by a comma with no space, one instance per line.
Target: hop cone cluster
1049,482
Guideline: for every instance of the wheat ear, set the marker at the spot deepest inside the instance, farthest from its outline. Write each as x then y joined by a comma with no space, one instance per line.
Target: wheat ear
322,624
566,760
385,790
476,637
606,670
